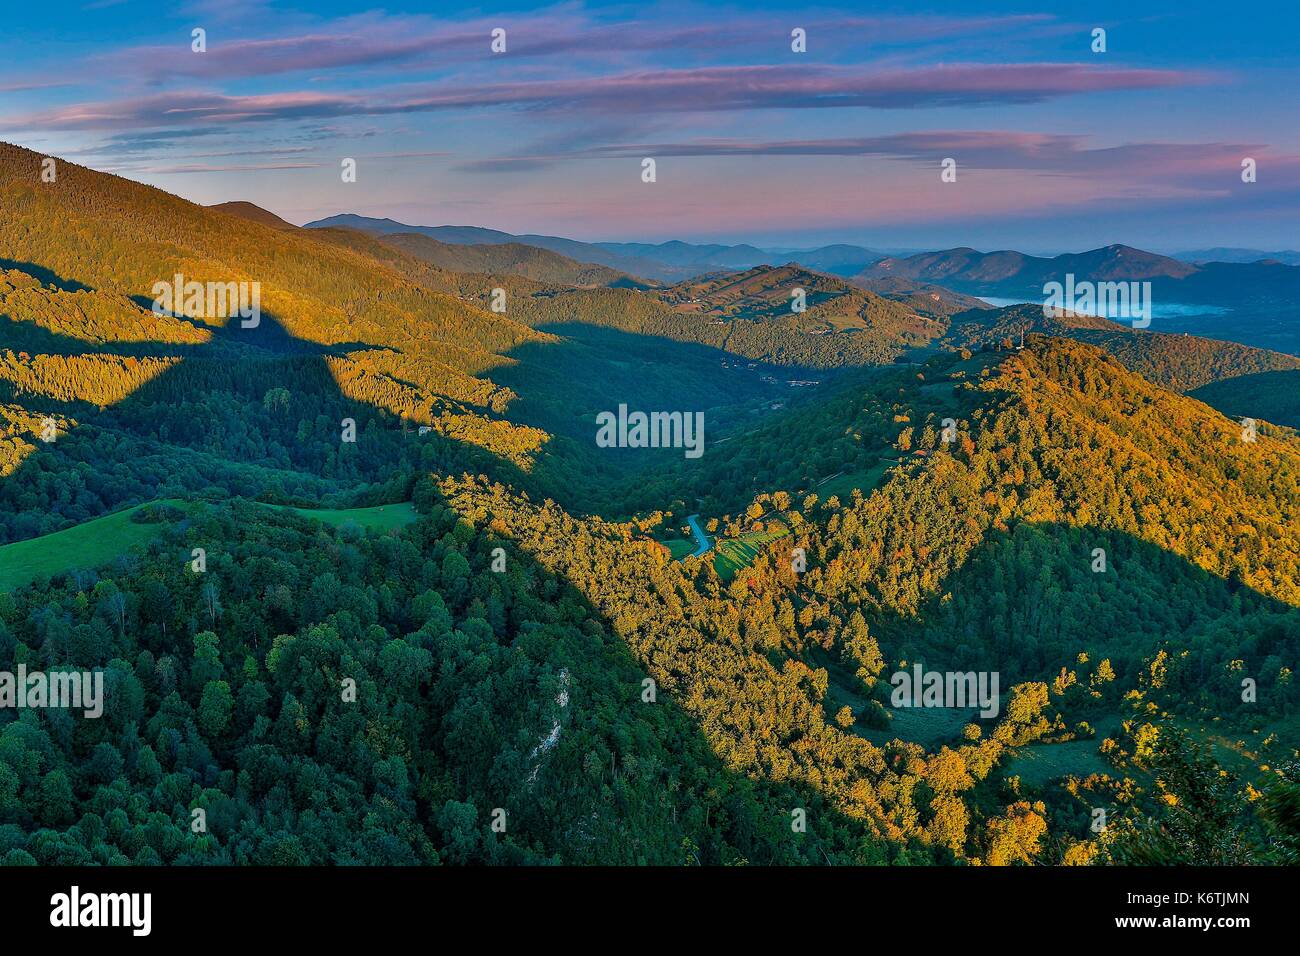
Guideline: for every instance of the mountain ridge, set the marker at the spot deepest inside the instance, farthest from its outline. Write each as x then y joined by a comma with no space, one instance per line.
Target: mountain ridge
668,261
940,496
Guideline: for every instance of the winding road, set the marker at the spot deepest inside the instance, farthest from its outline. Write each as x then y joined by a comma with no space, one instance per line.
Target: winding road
700,536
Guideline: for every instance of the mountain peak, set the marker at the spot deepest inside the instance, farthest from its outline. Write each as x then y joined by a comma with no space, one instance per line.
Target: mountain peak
253,213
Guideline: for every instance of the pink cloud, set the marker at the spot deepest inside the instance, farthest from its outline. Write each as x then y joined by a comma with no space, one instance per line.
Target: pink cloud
732,88
206,168
981,149
772,87
1002,173
420,42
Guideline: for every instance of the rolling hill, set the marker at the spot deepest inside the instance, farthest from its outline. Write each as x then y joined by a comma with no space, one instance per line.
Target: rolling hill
669,261
1016,272
1238,285
510,258
1178,362
400,338
253,213
388,481
1232,254
753,313
923,298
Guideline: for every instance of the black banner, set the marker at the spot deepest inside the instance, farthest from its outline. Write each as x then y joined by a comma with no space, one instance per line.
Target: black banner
223,906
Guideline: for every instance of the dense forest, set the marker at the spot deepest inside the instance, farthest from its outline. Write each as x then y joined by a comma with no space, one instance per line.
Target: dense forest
532,669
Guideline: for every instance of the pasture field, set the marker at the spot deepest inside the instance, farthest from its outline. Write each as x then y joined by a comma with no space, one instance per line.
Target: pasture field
378,518
99,541
86,545
734,554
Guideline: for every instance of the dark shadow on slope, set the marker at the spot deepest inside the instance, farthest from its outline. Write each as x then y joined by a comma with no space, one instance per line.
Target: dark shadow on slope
217,419
1273,396
593,368
1026,602
564,385
254,410
46,276
35,339
220,403
756,810
623,782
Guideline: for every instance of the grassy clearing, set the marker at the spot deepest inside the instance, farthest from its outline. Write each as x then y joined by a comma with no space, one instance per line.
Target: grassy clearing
734,554
379,518
87,545
99,541
1040,764
927,726
729,554
1245,753
842,486
680,547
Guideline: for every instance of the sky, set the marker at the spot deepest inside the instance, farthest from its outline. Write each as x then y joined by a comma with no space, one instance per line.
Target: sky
1057,147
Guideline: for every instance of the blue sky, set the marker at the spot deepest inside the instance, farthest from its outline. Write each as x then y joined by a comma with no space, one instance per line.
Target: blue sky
1057,147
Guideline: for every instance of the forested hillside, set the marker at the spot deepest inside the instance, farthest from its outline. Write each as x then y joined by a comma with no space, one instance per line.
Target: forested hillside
923,298
1179,362
1273,395
983,553
509,258
792,316
520,662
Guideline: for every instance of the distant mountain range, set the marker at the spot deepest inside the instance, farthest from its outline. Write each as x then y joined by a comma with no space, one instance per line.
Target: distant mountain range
1224,276
514,258
951,478
1232,254
1014,274
664,262
1250,302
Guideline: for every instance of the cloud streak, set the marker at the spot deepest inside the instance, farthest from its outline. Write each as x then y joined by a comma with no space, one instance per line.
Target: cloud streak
418,43
207,168
992,149
712,89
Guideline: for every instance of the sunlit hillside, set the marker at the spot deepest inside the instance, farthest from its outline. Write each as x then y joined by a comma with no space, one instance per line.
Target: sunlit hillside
394,475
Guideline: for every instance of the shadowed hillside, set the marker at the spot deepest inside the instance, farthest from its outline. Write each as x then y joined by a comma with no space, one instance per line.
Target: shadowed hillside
880,489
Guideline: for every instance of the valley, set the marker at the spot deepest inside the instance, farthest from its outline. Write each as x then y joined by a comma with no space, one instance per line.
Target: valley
396,483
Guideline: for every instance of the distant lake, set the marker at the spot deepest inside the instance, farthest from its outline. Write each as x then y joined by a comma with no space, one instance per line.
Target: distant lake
1159,310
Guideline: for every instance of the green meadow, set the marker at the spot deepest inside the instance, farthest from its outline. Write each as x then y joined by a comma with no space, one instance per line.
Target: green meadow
87,545
734,554
378,518
99,541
